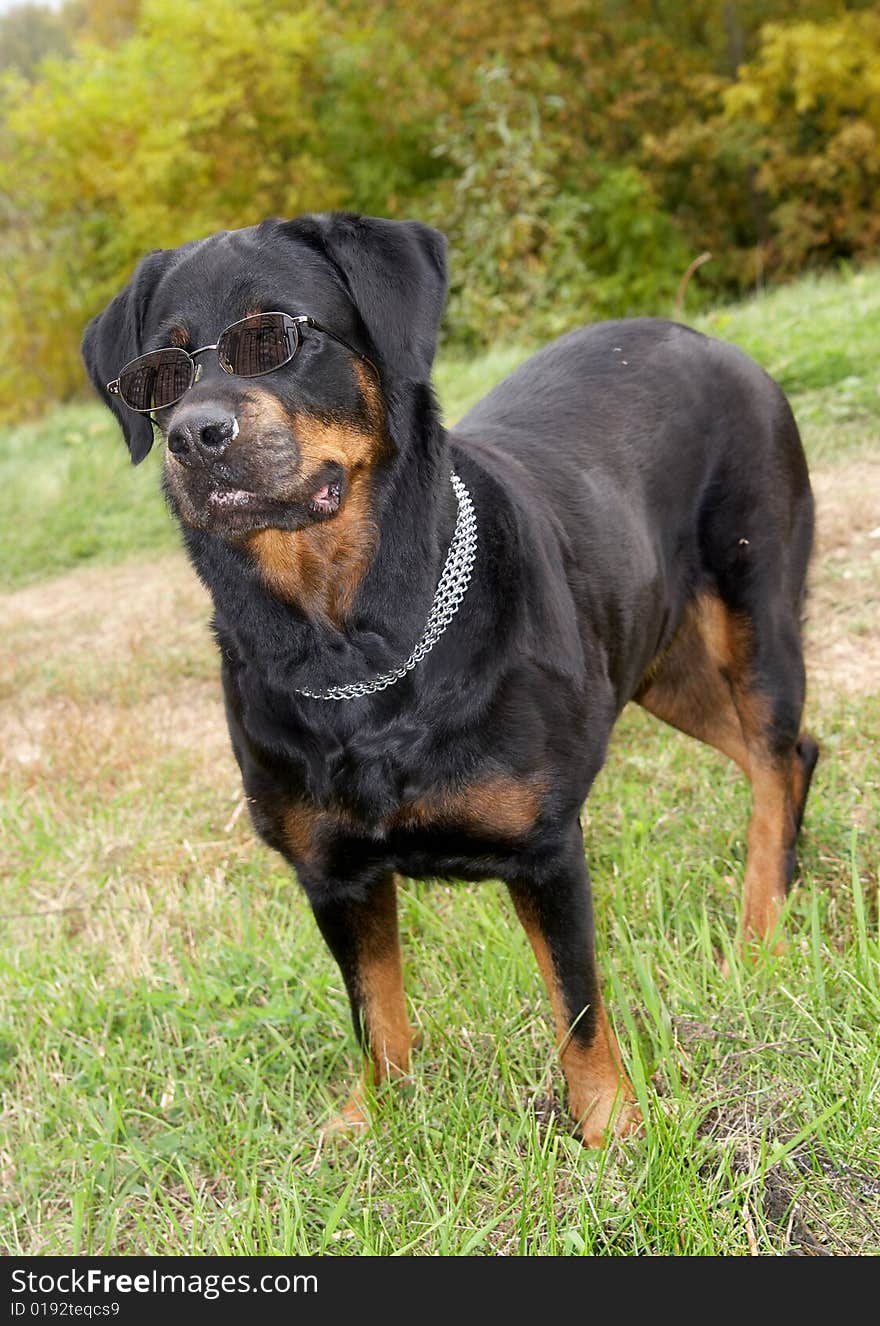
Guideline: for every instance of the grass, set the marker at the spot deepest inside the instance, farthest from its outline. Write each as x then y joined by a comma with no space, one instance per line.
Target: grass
173,1032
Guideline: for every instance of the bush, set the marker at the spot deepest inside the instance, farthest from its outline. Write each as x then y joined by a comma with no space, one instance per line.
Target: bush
531,256
120,150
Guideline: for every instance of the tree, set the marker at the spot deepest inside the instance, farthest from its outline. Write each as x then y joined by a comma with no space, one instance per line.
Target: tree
117,151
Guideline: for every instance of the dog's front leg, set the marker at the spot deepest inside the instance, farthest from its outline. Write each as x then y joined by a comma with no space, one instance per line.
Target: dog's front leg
359,924
557,915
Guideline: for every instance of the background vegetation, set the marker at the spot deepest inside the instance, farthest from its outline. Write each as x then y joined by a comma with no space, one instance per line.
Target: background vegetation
579,153
173,1031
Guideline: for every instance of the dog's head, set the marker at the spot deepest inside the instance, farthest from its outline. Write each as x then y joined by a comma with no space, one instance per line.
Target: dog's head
280,450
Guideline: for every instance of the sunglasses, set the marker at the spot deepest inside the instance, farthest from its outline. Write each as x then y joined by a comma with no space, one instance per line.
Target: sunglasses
248,349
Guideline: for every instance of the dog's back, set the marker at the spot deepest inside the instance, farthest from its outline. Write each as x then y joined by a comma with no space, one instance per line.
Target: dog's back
671,461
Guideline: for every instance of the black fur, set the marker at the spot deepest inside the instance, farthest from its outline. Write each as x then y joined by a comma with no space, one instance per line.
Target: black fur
623,471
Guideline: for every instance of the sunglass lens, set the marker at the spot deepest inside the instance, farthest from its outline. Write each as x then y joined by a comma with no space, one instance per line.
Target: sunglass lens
257,345
156,380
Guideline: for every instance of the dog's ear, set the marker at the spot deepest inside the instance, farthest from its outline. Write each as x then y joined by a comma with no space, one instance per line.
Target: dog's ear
395,272
115,337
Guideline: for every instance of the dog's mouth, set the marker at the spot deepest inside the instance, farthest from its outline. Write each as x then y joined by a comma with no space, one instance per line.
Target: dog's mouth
325,501
231,506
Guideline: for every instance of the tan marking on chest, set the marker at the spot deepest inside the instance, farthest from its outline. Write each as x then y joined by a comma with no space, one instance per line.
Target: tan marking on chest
301,822
499,806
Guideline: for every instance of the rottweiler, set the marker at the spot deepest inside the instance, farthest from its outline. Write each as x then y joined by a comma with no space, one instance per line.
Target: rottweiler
426,635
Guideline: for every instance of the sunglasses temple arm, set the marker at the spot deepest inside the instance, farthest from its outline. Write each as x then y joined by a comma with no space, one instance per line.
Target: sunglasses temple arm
310,322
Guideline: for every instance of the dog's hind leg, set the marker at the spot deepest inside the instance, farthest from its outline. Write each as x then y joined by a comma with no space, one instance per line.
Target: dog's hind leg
735,680
360,928
767,684
556,914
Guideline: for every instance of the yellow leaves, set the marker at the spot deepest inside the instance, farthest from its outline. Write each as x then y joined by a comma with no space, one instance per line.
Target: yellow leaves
577,153
192,123
812,96
811,71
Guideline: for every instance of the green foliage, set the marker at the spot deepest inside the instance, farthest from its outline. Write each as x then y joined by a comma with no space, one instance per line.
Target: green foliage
780,170
527,253
120,150
812,96
579,154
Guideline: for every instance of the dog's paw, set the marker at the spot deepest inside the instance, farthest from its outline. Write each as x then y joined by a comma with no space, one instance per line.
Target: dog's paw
611,1116
351,1121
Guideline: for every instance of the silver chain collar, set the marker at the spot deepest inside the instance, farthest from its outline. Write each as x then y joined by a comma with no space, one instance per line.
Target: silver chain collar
450,591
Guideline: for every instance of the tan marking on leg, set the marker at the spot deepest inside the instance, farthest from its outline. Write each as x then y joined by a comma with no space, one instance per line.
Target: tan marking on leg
387,1021
686,685
770,835
600,1095
771,830
806,757
389,1034
500,805
703,684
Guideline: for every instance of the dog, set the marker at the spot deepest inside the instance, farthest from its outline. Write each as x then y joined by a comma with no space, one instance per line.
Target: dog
426,636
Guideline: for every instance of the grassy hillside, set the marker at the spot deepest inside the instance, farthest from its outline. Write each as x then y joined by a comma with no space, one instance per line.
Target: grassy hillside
173,1032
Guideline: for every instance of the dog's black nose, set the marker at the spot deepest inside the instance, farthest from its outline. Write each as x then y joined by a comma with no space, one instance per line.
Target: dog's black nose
201,436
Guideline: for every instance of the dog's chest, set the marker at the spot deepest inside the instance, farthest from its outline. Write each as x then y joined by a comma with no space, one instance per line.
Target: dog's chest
497,808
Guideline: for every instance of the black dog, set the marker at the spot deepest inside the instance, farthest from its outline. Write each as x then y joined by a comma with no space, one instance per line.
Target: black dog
426,636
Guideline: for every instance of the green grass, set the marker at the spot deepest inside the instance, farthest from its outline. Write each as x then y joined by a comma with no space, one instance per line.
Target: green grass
74,497
173,1032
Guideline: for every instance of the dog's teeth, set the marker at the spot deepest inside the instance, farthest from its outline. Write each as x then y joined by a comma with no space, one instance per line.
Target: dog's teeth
230,497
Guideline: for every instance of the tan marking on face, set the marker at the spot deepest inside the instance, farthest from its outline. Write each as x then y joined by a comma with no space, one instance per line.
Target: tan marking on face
179,336
371,395
319,567
502,806
599,1091
320,441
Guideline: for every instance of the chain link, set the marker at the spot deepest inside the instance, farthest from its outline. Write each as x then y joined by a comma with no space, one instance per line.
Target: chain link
451,589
